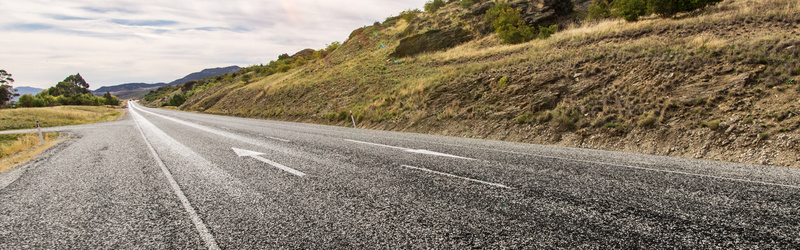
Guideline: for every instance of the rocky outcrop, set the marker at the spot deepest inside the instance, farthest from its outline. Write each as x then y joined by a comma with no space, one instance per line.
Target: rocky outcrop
540,12
432,40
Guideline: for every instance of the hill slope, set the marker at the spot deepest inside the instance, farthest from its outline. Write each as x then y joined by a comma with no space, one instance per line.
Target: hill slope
205,73
721,83
139,90
26,90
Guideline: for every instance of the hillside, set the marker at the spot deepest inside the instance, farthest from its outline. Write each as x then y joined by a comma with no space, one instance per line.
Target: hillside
204,74
128,90
139,90
26,90
720,83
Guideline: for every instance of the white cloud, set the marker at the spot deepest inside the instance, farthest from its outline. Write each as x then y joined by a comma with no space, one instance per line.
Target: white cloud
113,42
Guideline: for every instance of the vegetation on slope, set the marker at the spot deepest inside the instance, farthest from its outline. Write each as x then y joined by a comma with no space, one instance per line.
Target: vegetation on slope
717,83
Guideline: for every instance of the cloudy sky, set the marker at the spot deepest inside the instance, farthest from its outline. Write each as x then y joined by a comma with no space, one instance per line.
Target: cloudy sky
120,41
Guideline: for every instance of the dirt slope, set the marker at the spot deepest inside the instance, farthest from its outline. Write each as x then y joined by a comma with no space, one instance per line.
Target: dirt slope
718,84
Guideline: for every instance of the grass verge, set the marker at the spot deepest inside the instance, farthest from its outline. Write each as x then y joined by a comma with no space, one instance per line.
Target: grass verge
20,148
25,118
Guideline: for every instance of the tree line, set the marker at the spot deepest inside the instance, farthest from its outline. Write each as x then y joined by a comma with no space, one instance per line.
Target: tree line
73,90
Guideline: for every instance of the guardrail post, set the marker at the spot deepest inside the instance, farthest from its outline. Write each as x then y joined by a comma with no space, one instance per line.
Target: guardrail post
352,118
41,139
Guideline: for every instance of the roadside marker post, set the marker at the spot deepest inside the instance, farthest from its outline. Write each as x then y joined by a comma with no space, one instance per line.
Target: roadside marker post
41,139
354,119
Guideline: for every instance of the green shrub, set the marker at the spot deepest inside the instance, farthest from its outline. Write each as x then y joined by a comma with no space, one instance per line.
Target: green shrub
502,83
433,6
713,125
599,9
466,3
647,120
246,78
176,100
508,24
546,32
630,10
524,118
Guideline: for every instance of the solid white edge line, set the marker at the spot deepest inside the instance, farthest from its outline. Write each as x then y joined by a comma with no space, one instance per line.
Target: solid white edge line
201,228
459,177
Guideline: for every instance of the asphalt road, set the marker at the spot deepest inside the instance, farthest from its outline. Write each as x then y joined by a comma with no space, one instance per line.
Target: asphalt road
167,179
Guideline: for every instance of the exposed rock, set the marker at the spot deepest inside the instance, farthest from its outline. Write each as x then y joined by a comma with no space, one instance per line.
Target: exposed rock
540,12
432,40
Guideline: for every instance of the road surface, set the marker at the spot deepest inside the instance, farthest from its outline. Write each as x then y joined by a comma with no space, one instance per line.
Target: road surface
168,179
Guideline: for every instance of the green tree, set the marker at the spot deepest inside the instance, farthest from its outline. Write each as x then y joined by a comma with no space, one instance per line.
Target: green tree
7,92
110,99
71,86
26,100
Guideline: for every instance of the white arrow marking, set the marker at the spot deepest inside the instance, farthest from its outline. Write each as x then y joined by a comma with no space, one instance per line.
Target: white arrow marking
415,151
256,155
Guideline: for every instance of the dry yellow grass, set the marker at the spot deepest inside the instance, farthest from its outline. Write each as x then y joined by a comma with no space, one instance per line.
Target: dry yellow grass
24,148
24,118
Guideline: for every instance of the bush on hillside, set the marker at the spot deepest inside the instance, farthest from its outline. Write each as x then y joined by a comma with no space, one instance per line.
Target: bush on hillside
508,24
466,3
599,9
546,32
176,100
631,10
433,6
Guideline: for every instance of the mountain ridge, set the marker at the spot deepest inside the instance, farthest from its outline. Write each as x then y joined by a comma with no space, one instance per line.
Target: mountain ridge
138,90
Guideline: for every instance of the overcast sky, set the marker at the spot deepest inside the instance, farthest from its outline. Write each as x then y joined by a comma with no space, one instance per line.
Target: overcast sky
121,41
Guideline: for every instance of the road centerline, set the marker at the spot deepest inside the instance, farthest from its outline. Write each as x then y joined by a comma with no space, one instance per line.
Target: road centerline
409,150
458,177
257,156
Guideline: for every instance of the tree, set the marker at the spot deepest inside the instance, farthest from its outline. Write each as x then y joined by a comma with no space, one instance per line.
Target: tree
110,99
7,92
26,100
71,86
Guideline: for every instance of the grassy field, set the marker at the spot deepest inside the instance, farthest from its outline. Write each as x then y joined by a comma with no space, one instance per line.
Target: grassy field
25,118
18,148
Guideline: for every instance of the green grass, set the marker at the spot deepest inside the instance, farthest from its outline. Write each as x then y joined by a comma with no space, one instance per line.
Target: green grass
25,118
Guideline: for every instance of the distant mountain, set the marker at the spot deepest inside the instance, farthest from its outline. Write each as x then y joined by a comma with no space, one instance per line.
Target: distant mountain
128,90
205,73
128,87
138,90
26,90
